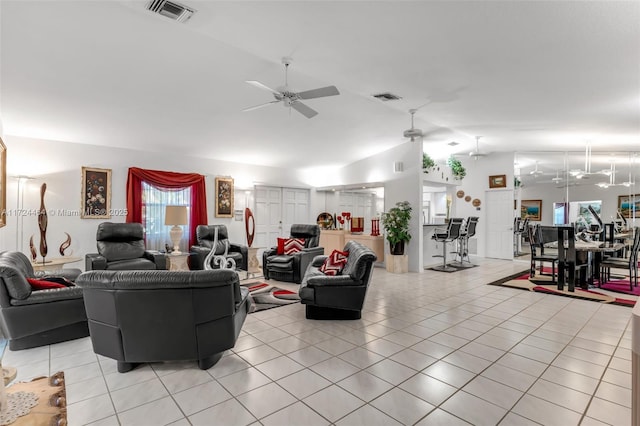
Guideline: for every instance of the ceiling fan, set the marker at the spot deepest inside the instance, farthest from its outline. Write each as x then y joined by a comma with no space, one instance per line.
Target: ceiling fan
413,133
290,98
476,154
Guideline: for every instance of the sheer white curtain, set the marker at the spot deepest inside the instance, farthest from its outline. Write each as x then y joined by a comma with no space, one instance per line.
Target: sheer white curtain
154,201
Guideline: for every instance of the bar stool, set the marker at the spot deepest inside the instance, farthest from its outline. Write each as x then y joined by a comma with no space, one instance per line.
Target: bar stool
451,234
463,242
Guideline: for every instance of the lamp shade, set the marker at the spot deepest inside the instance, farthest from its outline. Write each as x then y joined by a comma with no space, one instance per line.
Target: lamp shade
175,215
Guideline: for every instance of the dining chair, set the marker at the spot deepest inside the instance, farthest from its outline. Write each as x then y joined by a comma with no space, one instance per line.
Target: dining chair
630,263
538,256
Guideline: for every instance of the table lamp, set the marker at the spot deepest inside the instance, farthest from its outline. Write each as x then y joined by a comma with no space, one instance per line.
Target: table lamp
176,216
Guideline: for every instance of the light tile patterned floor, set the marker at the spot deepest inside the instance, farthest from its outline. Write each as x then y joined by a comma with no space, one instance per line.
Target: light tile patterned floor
431,348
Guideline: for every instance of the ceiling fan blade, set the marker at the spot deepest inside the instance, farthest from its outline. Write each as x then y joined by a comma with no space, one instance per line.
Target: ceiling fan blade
319,93
262,86
259,106
303,109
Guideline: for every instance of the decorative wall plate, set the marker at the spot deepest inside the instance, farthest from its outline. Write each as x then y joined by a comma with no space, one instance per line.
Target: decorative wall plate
475,202
467,198
460,194
325,220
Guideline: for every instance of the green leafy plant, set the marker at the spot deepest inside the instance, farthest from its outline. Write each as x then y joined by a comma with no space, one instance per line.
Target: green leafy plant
459,172
427,162
517,183
396,224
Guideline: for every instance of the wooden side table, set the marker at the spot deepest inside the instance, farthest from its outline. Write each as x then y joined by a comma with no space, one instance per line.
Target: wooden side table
178,262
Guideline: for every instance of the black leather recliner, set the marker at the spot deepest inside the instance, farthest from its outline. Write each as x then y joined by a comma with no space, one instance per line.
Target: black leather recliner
339,296
39,317
153,316
291,268
205,235
121,247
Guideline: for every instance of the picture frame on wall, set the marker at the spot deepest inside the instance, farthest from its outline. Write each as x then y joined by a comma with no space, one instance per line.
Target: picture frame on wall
629,205
498,181
531,209
95,193
224,197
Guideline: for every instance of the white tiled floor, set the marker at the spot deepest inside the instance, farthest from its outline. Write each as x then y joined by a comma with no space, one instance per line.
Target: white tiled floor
431,349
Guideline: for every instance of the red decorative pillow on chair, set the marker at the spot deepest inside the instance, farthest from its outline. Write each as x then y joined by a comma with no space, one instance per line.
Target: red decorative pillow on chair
290,245
37,284
334,263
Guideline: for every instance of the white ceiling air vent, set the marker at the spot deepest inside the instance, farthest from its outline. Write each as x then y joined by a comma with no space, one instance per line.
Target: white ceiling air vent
386,96
171,10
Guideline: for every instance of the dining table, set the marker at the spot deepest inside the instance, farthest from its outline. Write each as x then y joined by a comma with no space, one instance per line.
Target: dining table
588,253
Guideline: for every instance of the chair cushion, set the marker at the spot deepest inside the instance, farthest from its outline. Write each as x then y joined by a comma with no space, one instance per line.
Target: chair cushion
334,263
290,246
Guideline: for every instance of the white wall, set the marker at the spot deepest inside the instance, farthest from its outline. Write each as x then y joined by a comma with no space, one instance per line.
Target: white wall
58,164
475,184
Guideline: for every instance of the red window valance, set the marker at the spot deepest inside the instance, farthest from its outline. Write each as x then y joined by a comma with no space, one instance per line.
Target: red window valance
168,180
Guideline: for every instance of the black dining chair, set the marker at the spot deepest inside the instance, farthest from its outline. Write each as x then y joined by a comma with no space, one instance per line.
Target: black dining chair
538,256
630,263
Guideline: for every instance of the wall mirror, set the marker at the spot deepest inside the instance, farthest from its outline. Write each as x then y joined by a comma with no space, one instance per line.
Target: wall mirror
563,178
3,184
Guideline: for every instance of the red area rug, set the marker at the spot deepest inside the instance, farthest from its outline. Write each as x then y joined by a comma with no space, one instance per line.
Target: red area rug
543,285
266,296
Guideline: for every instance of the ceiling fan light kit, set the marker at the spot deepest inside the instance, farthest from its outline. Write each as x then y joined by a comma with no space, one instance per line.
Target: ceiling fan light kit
289,98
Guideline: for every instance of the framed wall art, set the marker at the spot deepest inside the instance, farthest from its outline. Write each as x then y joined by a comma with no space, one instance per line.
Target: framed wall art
629,205
498,181
531,209
95,193
224,197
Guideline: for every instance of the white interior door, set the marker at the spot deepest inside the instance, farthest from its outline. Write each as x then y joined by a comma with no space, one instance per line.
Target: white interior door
295,208
499,218
268,215
276,210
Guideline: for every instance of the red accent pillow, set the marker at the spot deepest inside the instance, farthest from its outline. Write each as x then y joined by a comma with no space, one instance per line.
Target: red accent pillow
334,263
43,284
290,245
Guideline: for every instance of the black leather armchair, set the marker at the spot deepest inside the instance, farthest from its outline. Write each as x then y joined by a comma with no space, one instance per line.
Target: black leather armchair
121,247
205,235
39,317
340,296
291,268
153,316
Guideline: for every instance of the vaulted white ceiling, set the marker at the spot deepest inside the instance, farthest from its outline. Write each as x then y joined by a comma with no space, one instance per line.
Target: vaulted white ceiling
527,76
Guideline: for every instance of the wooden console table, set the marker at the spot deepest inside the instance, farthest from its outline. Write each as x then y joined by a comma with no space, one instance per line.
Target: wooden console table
336,239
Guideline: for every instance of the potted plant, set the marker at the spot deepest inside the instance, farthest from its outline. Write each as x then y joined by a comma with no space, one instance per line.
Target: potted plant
458,170
427,162
396,226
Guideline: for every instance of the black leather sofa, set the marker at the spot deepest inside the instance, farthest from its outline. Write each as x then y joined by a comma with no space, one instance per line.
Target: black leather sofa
291,268
121,247
205,239
340,296
152,316
40,317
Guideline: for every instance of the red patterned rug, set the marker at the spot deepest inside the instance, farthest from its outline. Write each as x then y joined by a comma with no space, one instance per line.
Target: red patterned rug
543,284
266,296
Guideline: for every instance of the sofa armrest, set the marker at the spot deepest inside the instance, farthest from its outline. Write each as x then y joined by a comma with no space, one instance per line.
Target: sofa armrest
94,262
49,295
328,280
244,251
318,261
302,259
160,259
69,273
